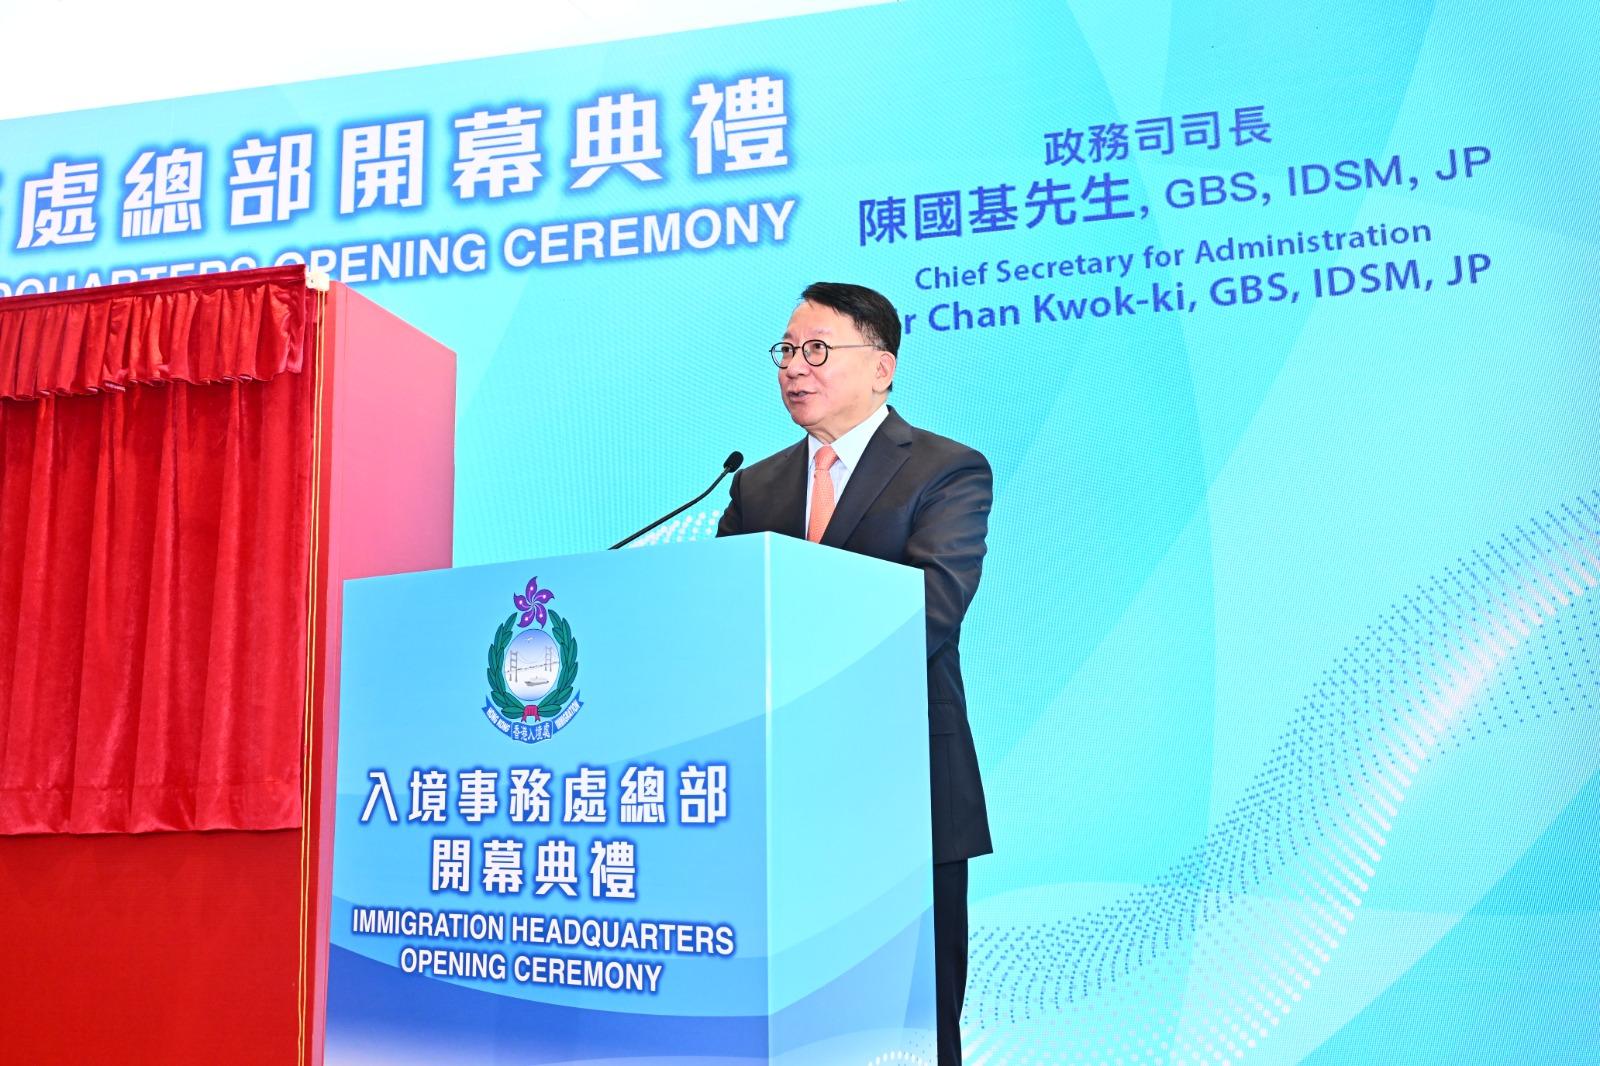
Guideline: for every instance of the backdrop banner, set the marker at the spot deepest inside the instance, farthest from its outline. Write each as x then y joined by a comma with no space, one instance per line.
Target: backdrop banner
1277,328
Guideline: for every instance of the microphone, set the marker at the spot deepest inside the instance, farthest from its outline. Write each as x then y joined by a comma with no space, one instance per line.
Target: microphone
733,462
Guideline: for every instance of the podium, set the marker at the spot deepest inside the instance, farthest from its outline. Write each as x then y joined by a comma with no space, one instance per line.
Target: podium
660,805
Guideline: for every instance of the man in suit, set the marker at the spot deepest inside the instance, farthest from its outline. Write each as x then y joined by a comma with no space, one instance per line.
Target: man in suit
866,481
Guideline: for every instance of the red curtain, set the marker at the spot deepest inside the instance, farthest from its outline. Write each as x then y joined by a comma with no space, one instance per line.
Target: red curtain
156,450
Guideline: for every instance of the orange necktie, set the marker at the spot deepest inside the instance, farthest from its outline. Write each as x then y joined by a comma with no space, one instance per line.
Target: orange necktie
821,493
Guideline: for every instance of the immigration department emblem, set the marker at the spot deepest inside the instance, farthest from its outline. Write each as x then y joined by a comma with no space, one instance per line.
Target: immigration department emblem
532,670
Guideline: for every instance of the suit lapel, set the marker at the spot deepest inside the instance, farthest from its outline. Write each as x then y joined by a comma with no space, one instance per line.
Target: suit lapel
886,453
791,497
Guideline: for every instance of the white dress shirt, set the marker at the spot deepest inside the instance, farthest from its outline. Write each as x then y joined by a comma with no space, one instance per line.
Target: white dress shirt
847,452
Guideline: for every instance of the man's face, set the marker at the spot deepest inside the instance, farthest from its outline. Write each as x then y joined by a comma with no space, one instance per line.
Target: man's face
830,400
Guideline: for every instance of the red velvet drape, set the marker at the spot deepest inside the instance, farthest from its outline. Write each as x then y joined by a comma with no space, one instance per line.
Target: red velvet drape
155,528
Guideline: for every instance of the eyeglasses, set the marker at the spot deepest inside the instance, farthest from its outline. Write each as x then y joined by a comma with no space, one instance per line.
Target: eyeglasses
815,351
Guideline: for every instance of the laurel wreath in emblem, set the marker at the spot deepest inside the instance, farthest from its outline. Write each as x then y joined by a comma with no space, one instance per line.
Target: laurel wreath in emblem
532,607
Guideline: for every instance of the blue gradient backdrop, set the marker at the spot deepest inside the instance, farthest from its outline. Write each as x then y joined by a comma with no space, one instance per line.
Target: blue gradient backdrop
1283,668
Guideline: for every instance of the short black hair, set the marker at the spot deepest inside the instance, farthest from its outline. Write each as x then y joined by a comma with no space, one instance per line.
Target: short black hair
871,311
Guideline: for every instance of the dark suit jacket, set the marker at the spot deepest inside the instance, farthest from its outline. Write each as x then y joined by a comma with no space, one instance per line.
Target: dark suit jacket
923,500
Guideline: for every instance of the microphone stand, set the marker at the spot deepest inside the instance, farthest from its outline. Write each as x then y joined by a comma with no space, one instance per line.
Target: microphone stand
733,463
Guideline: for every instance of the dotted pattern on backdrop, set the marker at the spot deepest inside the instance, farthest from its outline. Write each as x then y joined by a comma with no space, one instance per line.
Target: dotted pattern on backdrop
691,525
1203,964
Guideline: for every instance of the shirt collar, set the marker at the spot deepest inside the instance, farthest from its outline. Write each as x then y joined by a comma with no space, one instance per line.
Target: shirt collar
850,447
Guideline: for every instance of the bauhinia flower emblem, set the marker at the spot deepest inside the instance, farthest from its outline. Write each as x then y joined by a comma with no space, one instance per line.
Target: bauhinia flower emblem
531,603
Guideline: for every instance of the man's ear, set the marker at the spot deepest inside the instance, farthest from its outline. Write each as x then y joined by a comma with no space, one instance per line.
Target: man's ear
883,373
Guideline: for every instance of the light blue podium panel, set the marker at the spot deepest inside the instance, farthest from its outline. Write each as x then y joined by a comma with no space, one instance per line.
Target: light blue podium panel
662,805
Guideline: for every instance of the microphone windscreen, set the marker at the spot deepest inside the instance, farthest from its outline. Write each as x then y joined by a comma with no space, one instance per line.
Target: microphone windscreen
733,462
